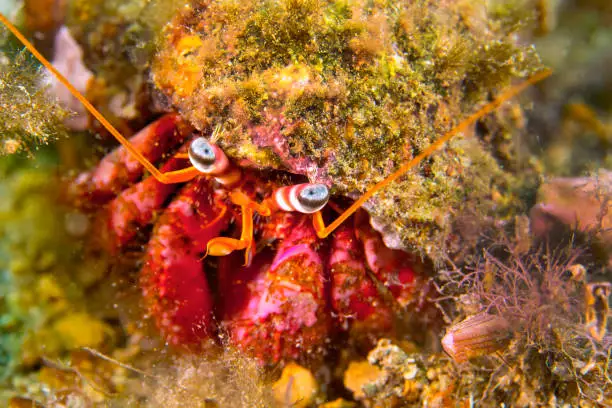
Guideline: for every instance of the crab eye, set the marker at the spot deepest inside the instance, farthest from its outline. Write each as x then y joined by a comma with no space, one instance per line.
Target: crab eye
313,197
202,155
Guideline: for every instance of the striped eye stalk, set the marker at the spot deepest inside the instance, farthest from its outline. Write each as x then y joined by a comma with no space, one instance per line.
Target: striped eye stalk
306,198
208,158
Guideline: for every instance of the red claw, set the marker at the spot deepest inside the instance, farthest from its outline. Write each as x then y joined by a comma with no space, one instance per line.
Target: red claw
276,308
173,281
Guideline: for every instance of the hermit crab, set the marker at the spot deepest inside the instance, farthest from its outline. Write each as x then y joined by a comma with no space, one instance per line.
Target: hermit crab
301,277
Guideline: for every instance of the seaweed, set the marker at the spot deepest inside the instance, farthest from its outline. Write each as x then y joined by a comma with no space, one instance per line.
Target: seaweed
29,115
542,300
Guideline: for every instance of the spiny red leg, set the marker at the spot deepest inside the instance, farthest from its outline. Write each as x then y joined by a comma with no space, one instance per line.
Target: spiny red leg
119,168
134,208
323,231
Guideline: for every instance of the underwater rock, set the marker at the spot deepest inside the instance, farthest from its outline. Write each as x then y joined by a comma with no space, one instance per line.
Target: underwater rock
579,203
389,377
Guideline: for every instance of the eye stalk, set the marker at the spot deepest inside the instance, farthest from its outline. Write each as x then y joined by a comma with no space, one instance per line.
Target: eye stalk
202,155
306,198
312,197
208,158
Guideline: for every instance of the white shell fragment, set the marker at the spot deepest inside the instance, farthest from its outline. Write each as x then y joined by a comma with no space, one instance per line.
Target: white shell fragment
476,336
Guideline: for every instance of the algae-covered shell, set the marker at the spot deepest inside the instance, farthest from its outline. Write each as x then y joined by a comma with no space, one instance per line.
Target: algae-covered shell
345,92
476,336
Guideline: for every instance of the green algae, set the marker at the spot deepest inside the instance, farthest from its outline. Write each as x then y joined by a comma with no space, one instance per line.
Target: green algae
29,116
358,89
43,279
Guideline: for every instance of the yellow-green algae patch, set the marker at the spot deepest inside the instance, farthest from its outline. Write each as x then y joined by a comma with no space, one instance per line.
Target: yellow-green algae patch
29,116
43,280
349,90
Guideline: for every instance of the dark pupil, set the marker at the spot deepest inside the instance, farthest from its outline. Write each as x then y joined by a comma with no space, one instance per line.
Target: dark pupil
205,154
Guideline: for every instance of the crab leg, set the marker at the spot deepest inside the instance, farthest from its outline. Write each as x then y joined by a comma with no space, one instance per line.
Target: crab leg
319,225
222,246
119,169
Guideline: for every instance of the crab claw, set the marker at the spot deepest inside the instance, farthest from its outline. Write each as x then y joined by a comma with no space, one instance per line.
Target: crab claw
276,307
174,284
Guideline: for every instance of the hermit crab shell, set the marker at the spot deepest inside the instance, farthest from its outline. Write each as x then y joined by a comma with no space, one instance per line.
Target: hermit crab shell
344,95
476,336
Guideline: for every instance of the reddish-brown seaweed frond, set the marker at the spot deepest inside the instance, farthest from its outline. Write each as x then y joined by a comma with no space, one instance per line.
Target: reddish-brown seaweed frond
542,299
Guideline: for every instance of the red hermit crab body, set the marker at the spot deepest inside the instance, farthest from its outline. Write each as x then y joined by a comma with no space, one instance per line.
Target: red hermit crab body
286,298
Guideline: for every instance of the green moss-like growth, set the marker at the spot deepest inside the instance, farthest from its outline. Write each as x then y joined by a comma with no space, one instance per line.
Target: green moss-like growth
29,116
353,90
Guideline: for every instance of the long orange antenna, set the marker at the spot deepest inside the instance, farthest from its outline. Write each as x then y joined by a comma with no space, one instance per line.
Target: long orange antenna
128,146
488,108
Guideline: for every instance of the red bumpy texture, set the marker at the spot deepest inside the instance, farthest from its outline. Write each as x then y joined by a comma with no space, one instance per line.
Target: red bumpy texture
298,292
